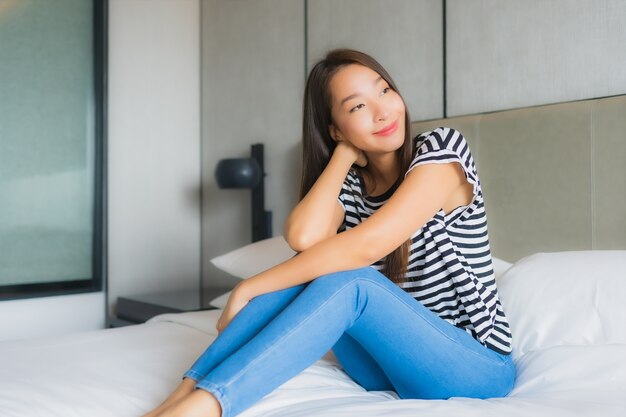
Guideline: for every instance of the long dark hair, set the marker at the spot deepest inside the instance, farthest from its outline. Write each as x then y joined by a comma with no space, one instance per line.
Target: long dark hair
318,146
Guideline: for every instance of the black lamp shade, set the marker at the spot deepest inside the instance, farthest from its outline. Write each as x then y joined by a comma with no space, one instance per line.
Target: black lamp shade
248,173
238,173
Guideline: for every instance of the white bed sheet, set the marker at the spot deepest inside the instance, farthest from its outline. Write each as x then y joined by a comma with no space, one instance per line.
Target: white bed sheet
126,371
115,372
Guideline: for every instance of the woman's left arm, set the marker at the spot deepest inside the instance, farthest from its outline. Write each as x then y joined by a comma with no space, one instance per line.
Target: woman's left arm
421,195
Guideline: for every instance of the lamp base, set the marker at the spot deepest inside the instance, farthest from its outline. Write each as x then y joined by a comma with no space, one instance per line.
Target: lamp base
262,225
261,219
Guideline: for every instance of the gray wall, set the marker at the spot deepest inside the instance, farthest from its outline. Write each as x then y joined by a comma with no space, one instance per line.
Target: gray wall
154,143
252,86
405,36
511,54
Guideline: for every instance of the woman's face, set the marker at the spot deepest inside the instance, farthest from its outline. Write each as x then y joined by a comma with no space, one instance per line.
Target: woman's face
365,110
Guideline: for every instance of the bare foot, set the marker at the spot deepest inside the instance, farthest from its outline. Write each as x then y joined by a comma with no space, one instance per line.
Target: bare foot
185,388
199,403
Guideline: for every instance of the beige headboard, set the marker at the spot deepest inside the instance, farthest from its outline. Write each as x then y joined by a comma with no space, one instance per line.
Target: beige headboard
554,177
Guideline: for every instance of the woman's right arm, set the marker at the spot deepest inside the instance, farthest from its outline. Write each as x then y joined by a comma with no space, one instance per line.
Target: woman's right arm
319,214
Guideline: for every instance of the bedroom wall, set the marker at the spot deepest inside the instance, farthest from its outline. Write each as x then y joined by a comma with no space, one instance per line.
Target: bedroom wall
387,31
513,54
154,147
252,85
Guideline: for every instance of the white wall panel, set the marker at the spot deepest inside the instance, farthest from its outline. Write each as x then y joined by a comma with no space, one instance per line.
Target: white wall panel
511,54
405,36
252,88
154,146
51,316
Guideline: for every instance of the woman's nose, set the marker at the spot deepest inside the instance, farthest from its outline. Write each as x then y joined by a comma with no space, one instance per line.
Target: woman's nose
381,114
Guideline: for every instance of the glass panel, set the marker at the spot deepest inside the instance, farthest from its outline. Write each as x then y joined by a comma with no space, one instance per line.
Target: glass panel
46,141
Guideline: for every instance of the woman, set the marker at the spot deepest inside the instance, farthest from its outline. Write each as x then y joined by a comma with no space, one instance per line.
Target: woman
428,325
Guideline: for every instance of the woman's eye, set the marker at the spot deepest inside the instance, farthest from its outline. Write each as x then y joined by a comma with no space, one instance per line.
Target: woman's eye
385,90
355,108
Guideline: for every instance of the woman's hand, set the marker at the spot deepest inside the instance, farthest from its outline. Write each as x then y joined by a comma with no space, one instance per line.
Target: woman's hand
236,302
357,155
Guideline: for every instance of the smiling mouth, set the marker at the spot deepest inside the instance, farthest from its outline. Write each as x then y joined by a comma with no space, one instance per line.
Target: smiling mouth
387,130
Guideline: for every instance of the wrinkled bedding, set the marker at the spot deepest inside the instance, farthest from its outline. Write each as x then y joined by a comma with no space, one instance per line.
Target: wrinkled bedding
570,363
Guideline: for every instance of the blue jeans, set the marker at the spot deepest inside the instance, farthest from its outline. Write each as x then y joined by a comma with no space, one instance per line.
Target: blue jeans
382,337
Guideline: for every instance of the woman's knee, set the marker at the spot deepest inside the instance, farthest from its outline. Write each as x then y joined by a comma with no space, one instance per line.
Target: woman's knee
277,298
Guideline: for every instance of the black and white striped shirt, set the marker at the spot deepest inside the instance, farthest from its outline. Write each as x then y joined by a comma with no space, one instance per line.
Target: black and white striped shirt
450,269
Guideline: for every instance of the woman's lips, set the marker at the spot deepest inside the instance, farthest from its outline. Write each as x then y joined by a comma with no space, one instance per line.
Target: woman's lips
388,130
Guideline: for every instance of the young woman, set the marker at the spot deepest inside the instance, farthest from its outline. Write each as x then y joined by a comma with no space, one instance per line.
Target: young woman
394,270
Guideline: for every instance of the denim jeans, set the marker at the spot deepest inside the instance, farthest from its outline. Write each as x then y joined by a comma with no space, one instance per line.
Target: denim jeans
382,337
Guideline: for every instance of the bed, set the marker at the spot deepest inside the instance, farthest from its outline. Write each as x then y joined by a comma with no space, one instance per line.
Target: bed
566,310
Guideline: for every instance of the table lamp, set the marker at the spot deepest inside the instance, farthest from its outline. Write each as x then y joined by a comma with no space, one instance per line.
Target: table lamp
248,173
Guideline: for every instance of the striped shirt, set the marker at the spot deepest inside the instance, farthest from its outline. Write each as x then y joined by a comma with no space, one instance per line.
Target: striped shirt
449,267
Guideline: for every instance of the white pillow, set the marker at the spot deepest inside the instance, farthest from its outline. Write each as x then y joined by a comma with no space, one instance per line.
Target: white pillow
254,258
565,298
250,260
257,257
500,266
220,302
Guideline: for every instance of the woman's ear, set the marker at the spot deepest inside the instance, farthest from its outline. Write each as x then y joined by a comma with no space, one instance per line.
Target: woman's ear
334,133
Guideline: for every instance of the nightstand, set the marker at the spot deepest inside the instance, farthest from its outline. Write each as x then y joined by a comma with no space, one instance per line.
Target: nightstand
140,308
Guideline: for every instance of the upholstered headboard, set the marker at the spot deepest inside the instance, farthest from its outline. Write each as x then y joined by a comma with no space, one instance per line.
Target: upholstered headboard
554,177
